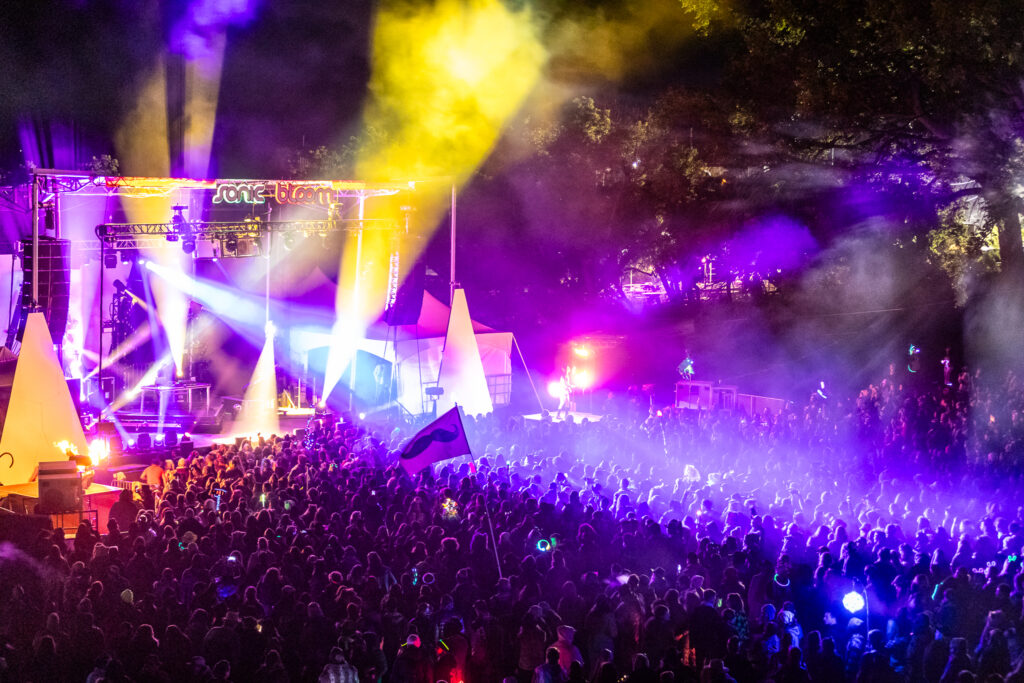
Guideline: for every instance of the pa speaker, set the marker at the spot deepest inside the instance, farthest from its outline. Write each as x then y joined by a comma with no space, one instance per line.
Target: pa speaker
404,308
52,266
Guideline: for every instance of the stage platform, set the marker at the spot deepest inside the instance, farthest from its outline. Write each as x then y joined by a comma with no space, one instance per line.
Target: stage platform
288,424
576,417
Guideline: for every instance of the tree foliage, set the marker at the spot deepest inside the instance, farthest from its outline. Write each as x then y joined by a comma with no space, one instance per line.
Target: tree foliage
616,190
925,97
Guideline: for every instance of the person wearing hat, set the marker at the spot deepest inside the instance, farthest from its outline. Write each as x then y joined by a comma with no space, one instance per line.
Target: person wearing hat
337,669
413,663
567,651
715,672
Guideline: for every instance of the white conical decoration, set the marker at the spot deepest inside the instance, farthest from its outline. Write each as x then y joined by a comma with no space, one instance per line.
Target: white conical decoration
462,372
41,413
259,406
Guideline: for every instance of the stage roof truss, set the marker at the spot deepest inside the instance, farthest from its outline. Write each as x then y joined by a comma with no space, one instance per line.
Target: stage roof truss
115,233
55,180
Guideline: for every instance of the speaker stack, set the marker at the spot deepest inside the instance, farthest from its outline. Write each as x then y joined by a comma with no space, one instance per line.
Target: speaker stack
54,284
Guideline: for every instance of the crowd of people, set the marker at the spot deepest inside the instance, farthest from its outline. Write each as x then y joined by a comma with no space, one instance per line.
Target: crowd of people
877,537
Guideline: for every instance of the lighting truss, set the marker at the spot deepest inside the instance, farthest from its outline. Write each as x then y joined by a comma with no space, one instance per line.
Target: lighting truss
129,235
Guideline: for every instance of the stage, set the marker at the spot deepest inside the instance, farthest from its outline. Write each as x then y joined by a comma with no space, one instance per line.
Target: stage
575,416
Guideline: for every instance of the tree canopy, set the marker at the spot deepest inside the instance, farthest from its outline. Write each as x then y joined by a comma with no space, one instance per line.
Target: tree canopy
923,99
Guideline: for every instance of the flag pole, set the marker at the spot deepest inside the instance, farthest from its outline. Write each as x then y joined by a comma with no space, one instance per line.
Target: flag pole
487,508
490,523
435,443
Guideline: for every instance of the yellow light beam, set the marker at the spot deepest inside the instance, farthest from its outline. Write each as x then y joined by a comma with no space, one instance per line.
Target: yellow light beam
447,76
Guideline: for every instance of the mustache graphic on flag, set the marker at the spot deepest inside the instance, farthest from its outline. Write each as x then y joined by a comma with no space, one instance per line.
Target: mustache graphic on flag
422,443
442,439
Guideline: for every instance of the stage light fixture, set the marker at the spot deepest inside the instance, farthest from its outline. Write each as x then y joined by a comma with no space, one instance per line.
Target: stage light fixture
127,256
290,240
110,259
178,223
230,246
189,245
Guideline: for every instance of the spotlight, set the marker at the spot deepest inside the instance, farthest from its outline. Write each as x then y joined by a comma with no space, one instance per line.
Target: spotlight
584,379
290,240
555,389
128,256
230,246
853,602
110,259
189,245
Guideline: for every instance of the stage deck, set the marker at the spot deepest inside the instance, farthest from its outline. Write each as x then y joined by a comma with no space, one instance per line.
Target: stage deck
576,417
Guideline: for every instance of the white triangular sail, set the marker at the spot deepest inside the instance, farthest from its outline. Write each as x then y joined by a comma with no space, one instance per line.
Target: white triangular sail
41,413
462,372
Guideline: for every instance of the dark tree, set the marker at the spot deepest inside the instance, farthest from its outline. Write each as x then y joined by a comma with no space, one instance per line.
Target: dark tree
926,98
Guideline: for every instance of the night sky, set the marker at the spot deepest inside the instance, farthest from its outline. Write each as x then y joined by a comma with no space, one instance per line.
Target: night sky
295,72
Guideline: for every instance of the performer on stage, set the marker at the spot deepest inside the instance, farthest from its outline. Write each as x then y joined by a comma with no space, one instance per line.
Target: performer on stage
121,304
686,367
567,402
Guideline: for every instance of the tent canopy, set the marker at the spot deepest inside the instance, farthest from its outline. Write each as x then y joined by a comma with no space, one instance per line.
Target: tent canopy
418,349
432,322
